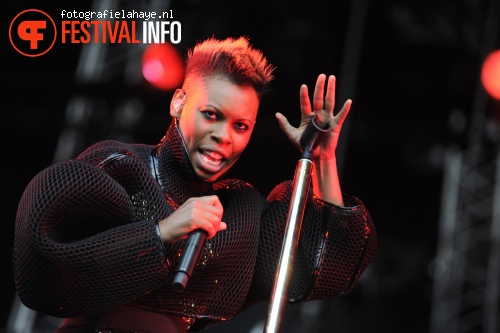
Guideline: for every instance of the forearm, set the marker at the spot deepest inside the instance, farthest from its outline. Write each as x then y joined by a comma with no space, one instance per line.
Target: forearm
325,181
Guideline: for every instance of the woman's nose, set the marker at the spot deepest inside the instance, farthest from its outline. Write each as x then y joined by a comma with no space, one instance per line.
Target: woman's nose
221,133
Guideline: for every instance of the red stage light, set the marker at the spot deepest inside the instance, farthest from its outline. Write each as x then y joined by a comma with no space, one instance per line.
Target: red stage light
162,66
490,74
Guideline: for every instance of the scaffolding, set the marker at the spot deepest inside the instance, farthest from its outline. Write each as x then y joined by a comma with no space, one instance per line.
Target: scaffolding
466,274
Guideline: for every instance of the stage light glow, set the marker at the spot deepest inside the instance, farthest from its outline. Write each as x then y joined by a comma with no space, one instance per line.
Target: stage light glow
162,66
490,74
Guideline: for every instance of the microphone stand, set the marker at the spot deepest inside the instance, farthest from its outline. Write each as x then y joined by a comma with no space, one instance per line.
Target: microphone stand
301,184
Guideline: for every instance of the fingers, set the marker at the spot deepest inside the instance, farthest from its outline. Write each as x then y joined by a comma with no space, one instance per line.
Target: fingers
320,101
328,103
340,117
318,96
211,200
305,103
206,213
285,125
282,121
290,131
196,213
330,94
213,215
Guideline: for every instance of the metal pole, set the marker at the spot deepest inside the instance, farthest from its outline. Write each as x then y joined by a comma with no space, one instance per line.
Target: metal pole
302,181
301,184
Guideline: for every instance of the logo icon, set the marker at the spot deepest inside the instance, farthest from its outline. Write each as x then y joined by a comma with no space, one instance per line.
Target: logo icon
32,33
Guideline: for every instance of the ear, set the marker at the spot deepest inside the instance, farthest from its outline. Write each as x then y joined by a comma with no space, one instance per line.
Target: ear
178,100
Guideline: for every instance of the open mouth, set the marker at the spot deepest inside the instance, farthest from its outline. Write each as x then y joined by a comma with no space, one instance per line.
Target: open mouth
211,161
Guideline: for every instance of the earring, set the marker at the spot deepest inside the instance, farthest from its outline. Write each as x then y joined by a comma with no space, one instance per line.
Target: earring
177,105
179,102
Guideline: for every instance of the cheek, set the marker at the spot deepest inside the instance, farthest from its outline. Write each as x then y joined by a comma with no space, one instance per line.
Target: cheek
190,130
240,143
187,134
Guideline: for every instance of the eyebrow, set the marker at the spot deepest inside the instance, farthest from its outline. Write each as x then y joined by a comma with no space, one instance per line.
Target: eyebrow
222,113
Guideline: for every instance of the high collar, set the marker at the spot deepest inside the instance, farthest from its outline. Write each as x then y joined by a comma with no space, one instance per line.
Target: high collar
175,170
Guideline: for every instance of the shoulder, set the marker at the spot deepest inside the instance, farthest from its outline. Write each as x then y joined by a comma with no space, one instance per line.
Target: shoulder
239,193
106,151
237,188
233,184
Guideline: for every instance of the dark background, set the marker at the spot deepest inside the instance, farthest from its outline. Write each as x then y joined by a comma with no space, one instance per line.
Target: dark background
411,68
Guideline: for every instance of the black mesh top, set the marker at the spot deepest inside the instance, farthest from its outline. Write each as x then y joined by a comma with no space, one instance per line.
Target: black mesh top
86,238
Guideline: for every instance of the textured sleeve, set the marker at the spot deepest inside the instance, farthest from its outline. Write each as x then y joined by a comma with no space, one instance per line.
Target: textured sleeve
336,244
85,238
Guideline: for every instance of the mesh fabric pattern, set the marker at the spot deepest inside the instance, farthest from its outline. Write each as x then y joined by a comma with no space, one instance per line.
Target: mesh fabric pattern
79,251
86,239
335,246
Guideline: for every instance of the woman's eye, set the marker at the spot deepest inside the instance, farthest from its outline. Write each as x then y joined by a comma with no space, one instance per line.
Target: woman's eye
241,126
210,115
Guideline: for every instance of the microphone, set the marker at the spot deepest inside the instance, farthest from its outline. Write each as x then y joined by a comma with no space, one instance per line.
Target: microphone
190,253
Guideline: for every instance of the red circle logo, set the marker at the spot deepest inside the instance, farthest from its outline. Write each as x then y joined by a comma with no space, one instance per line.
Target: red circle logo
32,33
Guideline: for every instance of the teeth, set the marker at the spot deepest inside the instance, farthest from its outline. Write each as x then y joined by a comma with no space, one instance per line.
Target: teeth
214,155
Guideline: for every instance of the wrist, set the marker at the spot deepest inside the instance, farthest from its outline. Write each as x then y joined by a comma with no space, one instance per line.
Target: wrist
325,181
158,232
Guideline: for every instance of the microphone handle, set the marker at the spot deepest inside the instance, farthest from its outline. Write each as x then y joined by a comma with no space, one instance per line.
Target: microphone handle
190,253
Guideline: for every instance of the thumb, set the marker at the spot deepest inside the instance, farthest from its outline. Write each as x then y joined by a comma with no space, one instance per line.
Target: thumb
288,129
283,122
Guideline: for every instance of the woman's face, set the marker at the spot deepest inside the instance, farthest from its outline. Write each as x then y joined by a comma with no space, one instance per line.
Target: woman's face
216,122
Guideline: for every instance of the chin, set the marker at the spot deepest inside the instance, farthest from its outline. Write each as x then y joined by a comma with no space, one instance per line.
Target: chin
209,177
